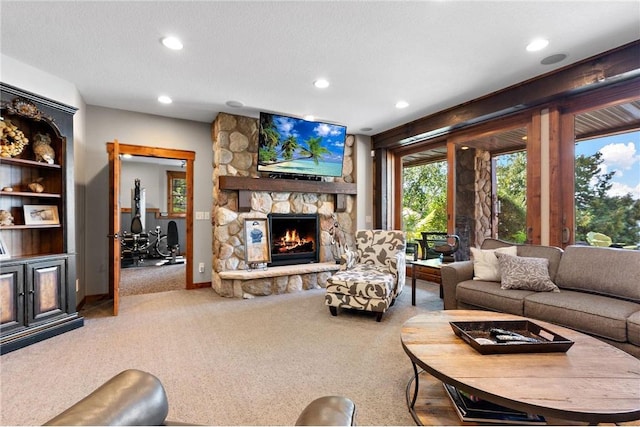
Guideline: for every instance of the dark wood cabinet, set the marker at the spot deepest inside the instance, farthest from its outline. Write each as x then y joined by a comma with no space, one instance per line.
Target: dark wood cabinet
37,269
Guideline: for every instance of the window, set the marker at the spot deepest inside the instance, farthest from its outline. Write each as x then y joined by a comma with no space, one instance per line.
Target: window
176,193
424,200
607,189
511,210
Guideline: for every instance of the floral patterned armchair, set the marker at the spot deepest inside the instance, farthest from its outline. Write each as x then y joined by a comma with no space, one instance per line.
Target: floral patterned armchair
371,277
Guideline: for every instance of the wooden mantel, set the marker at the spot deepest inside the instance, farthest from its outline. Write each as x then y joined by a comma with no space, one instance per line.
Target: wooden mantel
245,185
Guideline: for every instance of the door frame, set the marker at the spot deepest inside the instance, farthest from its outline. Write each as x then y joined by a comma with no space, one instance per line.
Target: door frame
115,150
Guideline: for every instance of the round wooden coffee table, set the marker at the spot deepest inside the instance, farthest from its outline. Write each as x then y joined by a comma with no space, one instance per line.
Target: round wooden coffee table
593,381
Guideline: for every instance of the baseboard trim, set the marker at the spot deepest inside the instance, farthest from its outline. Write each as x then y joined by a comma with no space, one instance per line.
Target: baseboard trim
200,285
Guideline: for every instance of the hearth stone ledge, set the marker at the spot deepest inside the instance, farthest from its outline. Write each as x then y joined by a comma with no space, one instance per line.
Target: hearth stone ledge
275,280
281,270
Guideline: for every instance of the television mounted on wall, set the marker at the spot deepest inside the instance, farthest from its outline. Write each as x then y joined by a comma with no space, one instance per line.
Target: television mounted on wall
293,147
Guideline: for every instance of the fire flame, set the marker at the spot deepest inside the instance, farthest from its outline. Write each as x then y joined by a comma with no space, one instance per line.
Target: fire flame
291,236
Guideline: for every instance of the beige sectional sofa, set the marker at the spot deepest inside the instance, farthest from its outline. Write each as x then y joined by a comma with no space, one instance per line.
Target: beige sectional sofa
599,291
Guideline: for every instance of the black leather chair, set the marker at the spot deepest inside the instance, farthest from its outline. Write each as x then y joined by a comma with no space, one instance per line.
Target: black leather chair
173,241
135,397
436,244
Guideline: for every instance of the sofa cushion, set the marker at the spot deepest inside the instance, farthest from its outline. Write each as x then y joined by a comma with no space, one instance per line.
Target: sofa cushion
606,271
490,296
593,314
485,262
633,328
551,253
525,273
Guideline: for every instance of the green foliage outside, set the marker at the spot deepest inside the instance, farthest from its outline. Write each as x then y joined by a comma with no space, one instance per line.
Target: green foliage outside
424,202
616,216
511,174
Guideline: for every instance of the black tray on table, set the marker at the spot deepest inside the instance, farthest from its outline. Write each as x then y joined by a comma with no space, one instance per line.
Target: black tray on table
479,335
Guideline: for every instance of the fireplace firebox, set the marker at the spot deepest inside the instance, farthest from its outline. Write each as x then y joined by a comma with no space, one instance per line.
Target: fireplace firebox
294,238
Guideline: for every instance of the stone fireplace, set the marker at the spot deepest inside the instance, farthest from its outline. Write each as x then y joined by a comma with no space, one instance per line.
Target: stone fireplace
241,193
294,238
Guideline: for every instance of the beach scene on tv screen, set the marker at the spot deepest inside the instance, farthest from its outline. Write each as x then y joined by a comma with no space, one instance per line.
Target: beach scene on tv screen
295,146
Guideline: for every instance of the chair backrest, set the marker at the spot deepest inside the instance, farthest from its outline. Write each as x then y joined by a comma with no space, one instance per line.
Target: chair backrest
136,225
172,234
376,246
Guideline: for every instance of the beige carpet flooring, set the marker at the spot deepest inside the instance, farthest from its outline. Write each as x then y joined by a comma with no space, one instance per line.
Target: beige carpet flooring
146,280
224,361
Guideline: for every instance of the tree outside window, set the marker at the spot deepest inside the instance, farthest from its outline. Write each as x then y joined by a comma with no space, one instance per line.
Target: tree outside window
176,193
424,201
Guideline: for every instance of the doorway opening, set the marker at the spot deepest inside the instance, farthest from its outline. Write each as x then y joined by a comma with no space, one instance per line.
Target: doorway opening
153,194
184,203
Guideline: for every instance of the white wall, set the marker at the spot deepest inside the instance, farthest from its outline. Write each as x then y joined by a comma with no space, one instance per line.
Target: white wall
106,124
364,182
153,180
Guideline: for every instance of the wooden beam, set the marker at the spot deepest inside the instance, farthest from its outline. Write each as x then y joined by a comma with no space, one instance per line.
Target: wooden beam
609,68
292,185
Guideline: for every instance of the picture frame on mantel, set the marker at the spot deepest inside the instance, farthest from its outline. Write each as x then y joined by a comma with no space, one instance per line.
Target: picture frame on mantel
256,242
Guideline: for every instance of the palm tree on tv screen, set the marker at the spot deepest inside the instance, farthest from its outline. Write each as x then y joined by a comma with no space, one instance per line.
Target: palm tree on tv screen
289,147
271,137
314,149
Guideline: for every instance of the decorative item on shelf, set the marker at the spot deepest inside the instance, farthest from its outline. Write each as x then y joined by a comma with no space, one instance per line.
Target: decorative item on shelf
36,186
7,189
42,148
41,215
12,140
5,218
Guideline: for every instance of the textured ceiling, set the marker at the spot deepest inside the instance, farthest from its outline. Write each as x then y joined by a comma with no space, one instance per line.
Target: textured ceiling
264,54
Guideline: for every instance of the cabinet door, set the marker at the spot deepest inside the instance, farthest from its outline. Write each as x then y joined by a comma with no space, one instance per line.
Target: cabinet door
11,298
46,284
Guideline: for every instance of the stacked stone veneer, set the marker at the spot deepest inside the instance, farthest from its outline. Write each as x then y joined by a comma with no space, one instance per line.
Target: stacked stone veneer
484,228
235,153
473,199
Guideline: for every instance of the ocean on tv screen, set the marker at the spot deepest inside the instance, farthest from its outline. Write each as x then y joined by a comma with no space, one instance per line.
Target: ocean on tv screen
305,167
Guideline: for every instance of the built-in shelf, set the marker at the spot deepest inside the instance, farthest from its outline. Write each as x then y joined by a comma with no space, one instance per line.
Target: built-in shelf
245,185
31,194
30,163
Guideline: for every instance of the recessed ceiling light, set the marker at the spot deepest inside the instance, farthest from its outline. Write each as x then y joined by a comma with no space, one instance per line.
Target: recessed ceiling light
464,147
164,99
172,43
537,44
234,104
321,83
402,104
309,118
366,129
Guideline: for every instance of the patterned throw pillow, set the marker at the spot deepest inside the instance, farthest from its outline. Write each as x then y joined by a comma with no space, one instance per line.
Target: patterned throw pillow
485,263
525,273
